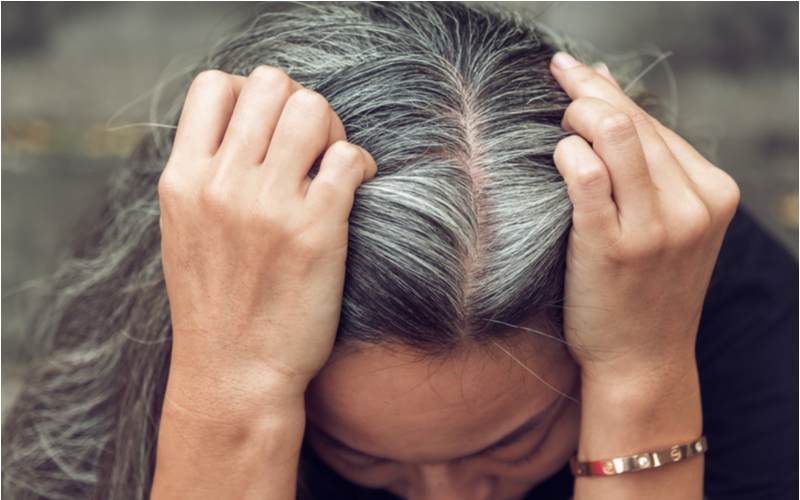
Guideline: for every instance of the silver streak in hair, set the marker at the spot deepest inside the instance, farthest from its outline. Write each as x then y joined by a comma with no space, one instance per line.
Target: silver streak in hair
462,233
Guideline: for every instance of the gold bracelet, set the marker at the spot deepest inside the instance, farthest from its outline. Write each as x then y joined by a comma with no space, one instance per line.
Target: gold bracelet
613,466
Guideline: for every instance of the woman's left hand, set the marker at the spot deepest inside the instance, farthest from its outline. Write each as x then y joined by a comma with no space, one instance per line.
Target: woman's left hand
649,217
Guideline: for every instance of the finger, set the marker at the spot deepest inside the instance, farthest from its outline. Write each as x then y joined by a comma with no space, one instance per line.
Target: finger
691,160
305,129
256,115
581,82
697,168
578,81
603,71
590,188
207,112
715,187
344,167
688,170
615,140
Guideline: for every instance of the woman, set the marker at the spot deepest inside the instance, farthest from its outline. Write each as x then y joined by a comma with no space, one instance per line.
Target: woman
369,251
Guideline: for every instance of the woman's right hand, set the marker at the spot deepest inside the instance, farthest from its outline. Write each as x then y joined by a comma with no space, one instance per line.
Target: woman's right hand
254,257
253,249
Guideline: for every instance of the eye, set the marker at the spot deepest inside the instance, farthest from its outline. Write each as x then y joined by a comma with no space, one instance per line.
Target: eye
524,460
529,457
360,460
344,454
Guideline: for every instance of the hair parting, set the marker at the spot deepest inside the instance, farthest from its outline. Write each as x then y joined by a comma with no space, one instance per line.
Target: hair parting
460,236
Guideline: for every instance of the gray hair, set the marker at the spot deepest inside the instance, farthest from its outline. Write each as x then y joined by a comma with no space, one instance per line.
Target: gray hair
462,233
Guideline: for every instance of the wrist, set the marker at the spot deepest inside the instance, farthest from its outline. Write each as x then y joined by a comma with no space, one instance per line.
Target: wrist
639,414
220,390
639,369
645,414
231,417
202,457
240,405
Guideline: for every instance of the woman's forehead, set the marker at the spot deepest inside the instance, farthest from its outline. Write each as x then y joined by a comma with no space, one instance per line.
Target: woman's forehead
381,399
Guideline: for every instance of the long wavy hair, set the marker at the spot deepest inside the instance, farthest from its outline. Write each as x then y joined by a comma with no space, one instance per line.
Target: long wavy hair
462,233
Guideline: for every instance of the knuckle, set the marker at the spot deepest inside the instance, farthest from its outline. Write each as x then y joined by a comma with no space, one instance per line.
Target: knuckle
565,147
170,188
694,223
639,118
580,106
562,148
572,108
729,195
581,172
310,102
211,79
345,155
270,77
589,175
617,127
655,123
214,198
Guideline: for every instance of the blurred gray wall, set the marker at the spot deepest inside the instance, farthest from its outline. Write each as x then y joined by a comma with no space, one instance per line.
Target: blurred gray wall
69,67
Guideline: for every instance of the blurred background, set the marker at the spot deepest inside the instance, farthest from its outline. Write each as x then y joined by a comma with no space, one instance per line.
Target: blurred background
68,68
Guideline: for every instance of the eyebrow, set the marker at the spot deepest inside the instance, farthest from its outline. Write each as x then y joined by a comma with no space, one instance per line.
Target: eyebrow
509,439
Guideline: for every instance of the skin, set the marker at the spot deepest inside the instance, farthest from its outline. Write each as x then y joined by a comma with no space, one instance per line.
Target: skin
429,419
253,253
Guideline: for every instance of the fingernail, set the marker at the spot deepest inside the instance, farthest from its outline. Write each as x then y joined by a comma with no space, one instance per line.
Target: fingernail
562,60
601,65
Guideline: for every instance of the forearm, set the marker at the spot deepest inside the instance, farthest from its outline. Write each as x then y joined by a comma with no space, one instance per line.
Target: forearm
255,459
650,415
